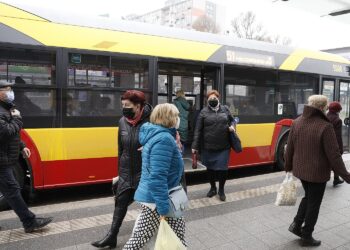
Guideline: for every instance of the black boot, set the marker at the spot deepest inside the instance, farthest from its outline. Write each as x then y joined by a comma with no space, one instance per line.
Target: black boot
295,229
222,181
310,242
110,240
122,202
212,177
337,181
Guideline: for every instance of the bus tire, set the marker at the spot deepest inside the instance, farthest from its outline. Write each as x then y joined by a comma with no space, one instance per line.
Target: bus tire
19,175
280,153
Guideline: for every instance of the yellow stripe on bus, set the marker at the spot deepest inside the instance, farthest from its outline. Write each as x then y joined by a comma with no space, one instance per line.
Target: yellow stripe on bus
69,36
9,11
255,135
75,143
294,59
83,143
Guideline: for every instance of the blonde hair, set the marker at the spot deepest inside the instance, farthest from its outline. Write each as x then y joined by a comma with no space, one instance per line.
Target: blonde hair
318,101
165,114
180,93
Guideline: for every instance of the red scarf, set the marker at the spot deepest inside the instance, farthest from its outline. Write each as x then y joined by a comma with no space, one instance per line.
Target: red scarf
136,119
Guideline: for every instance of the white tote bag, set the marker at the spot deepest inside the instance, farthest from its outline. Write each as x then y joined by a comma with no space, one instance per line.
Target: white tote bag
287,193
167,239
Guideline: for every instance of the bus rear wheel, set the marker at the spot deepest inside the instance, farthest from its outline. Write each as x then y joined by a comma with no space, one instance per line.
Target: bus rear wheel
19,175
280,153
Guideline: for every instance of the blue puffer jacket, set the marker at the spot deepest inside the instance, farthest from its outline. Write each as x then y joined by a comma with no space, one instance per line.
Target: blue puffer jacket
162,166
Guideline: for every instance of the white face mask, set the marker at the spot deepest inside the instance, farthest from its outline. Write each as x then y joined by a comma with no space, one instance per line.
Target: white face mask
10,96
177,125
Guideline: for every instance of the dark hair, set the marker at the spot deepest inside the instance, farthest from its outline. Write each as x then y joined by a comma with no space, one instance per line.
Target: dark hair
213,92
134,96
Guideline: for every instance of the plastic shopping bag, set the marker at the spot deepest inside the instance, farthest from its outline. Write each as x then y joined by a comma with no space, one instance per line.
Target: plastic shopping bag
167,239
287,193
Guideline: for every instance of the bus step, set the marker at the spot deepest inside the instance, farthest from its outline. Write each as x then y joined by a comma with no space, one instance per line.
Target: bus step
188,166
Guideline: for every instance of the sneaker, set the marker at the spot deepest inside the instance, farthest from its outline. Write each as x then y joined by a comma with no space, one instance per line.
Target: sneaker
37,224
295,229
212,192
310,242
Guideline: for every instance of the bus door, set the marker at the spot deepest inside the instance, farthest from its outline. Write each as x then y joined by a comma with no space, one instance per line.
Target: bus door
344,99
194,81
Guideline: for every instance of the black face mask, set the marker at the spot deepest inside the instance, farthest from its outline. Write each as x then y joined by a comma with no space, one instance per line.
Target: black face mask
128,113
213,103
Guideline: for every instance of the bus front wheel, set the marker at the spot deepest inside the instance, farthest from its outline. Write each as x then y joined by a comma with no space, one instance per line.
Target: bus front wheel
19,175
280,153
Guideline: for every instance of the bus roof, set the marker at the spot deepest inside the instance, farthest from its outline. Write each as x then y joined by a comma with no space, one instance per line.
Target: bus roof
35,26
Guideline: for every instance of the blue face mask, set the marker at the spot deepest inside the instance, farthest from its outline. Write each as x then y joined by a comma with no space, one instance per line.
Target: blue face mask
10,96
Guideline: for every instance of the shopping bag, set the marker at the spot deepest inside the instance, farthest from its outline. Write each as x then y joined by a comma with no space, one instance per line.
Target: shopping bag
287,193
167,239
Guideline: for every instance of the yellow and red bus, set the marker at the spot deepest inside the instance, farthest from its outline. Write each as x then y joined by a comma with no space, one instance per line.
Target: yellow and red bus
70,73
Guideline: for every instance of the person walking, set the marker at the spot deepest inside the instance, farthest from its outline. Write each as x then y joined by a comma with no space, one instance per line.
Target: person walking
10,148
162,168
312,152
212,132
333,115
183,106
136,112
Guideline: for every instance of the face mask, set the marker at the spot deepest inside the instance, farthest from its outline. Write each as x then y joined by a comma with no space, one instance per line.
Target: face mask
128,113
213,103
177,125
10,96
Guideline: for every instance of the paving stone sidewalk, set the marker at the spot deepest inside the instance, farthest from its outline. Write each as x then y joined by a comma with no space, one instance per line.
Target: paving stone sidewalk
266,227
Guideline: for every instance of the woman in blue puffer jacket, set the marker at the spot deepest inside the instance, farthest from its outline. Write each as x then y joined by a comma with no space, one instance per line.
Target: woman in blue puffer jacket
162,168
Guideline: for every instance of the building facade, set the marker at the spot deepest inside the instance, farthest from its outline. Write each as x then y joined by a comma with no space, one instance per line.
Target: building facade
183,14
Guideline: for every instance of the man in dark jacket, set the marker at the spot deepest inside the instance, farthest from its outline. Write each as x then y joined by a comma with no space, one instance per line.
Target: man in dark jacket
312,152
10,148
333,116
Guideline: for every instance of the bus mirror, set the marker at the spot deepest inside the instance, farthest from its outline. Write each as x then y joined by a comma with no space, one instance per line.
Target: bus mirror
347,121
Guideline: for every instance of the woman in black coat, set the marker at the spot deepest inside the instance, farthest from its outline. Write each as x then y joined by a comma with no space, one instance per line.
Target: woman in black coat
135,113
334,109
211,136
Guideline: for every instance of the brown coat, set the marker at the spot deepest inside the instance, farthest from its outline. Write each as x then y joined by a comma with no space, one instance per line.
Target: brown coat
312,148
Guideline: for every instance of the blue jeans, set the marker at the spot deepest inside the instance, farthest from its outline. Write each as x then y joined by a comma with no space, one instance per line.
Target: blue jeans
11,190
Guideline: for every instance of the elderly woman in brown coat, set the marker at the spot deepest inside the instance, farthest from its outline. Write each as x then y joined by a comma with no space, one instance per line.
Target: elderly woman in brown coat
312,152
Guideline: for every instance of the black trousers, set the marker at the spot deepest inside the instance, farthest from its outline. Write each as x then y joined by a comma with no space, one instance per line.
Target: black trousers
11,190
310,206
122,202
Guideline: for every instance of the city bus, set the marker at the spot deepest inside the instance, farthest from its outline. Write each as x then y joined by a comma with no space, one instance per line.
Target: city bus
71,71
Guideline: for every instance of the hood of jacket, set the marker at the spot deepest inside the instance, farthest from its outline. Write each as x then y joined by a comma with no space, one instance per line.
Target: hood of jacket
149,130
147,110
310,112
332,116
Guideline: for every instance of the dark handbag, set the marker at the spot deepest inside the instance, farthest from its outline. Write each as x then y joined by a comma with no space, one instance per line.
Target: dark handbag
235,142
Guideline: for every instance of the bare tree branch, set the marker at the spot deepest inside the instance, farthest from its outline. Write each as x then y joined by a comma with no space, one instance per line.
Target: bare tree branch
246,26
206,24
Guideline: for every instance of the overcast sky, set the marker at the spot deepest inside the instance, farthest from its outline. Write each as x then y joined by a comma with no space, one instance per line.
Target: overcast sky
307,30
